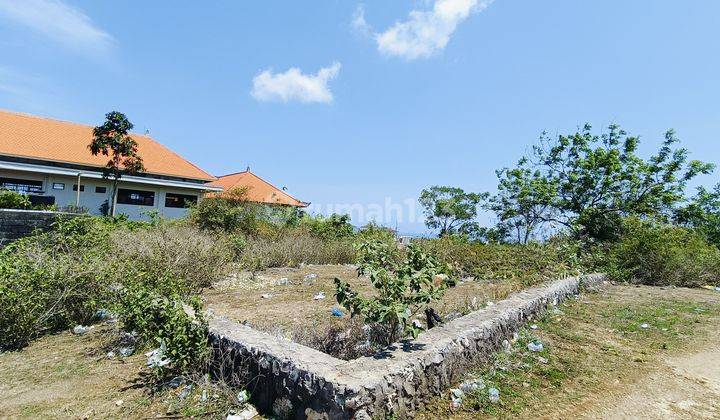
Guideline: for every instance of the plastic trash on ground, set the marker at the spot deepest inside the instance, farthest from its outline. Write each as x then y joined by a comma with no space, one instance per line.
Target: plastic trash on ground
156,358
472,385
319,296
337,312
535,346
494,395
80,329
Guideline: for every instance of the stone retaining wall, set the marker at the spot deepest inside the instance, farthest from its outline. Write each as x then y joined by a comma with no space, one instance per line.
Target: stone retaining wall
295,381
15,224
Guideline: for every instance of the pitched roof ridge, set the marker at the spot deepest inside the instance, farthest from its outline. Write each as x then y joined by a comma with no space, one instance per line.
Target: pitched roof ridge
271,185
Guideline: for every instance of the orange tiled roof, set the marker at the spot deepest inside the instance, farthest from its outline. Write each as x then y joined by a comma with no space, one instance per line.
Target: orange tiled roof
60,141
259,190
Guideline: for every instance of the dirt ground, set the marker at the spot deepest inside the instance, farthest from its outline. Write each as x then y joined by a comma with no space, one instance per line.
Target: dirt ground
241,298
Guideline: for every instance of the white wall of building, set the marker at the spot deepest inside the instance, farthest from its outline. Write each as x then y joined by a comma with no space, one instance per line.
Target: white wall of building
92,200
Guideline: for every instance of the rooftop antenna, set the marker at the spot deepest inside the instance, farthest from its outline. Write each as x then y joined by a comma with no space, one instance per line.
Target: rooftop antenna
248,169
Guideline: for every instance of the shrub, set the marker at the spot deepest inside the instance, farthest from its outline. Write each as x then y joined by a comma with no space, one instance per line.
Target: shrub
13,200
178,330
333,227
402,289
659,254
170,258
527,264
53,280
230,213
293,247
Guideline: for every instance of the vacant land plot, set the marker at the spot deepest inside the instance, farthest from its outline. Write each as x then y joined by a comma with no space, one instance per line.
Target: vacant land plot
298,303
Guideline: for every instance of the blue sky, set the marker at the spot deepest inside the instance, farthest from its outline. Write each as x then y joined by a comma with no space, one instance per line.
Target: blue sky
360,103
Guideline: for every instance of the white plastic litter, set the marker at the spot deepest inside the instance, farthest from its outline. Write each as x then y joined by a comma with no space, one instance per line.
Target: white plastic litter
535,346
156,358
126,351
266,296
494,395
248,413
243,396
472,385
80,329
644,326
319,296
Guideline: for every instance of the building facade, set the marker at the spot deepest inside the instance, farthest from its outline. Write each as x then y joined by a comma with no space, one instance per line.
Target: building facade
49,161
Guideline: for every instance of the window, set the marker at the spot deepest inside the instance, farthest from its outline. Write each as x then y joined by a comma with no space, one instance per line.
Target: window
23,186
82,187
100,190
58,186
179,200
136,197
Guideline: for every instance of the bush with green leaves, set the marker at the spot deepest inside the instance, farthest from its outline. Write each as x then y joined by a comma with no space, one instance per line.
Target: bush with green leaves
403,289
176,327
231,213
335,226
13,200
53,280
661,254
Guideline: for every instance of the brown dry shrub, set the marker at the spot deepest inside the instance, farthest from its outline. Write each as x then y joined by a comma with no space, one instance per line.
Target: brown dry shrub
292,248
181,258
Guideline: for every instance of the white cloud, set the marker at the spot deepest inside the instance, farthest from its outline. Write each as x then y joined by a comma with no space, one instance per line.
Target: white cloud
426,32
293,85
358,21
60,22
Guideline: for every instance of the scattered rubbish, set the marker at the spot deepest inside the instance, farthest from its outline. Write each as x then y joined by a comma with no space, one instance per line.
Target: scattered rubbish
175,382
248,413
472,385
311,276
119,403
80,329
103,314
266,296
506,346
319,296
557,311
494,395
337,312
156,358
432,318
543,360
110,354
126,351
644,326
489,303
533,327
717,288
439,279
243,396
417,324
203,396
457,397
283,281
535,346
515,337
185,391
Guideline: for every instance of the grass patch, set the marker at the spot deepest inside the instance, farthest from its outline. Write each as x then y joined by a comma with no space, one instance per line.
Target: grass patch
592,345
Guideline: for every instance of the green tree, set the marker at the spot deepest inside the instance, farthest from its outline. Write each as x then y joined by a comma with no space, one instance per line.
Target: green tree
703,214
523,202
450,209
112,139
587,183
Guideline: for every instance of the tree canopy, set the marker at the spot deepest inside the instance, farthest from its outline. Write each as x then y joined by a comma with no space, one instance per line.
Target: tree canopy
112,139
450,209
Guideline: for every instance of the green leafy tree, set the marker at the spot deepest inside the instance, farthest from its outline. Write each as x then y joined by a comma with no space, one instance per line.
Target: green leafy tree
111,139
587,183
403,288
703,214
450,209
523,202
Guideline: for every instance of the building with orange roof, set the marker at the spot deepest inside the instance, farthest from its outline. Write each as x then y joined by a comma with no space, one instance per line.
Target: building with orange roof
256,189
49,160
